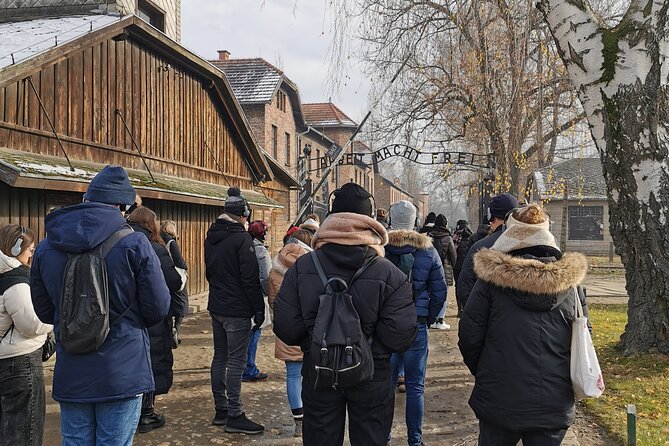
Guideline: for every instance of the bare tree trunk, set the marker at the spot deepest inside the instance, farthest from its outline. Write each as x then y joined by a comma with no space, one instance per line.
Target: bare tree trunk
621,76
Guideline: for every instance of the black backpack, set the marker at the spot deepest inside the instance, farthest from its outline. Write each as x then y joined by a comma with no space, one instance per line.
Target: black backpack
340,352
84,301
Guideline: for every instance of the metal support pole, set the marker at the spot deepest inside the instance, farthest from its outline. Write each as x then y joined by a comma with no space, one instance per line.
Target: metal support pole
132,138
46,115
631,425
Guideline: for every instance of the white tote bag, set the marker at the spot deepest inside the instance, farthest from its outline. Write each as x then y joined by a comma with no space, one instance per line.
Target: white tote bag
586,375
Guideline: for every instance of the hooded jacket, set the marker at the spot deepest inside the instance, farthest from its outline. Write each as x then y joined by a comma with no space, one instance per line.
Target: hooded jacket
381,295
232,270
121,367
280,264
16,308
160,334
462,249
429,284
515,337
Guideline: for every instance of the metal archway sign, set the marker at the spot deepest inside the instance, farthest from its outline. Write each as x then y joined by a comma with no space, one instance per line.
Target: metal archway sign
476,160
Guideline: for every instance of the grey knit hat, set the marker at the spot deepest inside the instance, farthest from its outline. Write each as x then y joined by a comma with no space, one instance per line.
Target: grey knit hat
402,215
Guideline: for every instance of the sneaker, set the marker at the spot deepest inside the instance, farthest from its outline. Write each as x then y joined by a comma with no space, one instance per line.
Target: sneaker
259,377
175,338
147,423
242,425
298,429
220,418
442,326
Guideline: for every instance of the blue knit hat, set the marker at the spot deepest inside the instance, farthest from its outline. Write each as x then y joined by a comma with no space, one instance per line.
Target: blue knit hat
111,186
501,204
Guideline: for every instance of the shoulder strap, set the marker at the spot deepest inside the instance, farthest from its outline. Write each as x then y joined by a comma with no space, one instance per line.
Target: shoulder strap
11,328
319,268
324,278
111,241
167,245
578,308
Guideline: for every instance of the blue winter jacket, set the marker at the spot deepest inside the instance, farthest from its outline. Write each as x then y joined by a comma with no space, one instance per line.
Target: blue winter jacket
121,367
427,274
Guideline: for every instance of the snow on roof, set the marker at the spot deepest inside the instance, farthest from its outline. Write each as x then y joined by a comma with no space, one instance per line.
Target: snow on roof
583,178
326,115
252,80
26,39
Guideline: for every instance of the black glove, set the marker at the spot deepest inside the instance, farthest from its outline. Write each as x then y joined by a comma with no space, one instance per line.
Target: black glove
258,320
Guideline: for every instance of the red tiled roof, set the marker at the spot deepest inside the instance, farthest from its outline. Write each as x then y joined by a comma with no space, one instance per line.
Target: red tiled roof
326,115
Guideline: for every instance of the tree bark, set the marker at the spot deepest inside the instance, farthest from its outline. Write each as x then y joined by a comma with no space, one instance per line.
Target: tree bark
621,76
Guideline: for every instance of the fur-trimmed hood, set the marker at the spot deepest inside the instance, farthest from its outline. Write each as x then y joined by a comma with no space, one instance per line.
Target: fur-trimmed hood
530,275
401,238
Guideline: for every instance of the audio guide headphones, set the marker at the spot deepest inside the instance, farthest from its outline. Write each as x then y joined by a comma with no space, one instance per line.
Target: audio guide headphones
16,249
331,199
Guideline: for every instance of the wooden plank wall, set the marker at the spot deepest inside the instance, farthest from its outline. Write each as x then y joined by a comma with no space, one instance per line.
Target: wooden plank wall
171,112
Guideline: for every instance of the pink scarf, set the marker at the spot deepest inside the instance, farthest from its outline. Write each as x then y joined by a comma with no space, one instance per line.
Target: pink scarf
350,229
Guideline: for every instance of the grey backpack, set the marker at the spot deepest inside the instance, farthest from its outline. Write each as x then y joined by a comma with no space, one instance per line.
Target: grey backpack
84,298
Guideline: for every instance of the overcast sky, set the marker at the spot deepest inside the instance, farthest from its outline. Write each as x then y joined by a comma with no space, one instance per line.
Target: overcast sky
293,35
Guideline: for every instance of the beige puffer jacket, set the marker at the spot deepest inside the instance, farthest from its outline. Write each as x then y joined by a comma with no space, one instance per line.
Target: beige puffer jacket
284,260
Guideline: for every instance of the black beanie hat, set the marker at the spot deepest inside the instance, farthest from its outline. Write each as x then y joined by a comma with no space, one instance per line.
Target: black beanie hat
431,218
501,204
111,186
236,204
441,222
352,198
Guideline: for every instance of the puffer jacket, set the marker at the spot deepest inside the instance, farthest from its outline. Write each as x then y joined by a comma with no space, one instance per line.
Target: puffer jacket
282,261
160,334
428,279
515,337
16,308
121,367
381,296
462,249
232,270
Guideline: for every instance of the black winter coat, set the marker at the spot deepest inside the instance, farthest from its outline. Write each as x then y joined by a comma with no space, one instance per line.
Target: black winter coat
467,278
462,249
179,305
160,335
515,337
382,296
232,271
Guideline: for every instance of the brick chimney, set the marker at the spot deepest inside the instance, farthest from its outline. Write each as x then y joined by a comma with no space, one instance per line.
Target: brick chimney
223,54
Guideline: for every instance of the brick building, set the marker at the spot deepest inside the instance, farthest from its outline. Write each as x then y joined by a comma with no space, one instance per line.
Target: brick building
272,106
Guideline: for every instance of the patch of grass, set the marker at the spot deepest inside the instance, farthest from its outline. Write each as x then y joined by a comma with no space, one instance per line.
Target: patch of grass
642,380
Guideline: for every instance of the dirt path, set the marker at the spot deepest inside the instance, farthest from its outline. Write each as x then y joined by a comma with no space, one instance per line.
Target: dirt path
188,407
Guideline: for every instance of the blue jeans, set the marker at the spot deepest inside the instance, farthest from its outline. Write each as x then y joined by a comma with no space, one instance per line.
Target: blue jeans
442,312
22,400
231,339
415,366
294,384
251,368
110,423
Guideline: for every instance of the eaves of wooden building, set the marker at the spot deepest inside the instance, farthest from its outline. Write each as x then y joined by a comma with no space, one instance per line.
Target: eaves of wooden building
78,93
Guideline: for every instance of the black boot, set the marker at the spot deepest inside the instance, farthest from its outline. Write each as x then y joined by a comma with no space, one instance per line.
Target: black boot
241,424
150,421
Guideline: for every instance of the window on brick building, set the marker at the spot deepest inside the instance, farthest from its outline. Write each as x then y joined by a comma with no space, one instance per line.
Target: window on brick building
275,141
151,14
281,101
288,157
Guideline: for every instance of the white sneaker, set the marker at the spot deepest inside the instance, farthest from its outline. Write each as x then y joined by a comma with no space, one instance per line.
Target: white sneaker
442,326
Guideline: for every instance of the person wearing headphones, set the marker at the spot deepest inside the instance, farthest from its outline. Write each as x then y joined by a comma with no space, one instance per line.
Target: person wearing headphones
235,296
22,334
349,239
500,207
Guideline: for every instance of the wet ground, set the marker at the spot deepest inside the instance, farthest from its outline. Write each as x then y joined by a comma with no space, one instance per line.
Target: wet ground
188,407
